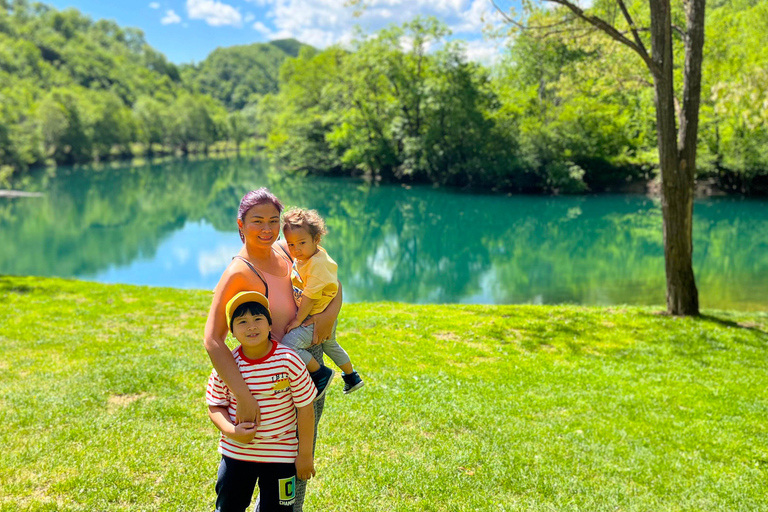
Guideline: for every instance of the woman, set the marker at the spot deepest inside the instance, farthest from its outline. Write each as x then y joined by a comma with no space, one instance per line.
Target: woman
265,267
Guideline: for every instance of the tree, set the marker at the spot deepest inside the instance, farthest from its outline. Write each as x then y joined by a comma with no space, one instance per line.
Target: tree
676,121
238,128
153,122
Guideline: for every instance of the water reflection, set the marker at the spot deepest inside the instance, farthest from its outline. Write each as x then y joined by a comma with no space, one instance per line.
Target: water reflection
172,224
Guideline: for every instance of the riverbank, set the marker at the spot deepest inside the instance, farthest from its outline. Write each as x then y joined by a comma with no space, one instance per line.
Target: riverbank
705,187
482,407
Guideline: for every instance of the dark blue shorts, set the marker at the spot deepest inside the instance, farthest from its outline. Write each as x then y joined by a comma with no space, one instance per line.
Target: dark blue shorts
237,481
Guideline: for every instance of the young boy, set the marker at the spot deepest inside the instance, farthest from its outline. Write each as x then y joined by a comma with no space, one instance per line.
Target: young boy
314,286
269,452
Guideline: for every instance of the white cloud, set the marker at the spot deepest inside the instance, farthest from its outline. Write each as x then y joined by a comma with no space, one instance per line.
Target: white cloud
259,26
325,22
170,18
249,17
154,5
484,52
550,5
478,14
214,13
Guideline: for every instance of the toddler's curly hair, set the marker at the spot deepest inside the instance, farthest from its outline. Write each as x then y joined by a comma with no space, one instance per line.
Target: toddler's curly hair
307,219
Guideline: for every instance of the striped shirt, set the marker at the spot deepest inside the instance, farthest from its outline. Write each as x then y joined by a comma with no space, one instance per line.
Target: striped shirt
280,382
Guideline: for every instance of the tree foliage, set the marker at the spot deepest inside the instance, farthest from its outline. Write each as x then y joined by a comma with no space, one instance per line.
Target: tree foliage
568,113
73,90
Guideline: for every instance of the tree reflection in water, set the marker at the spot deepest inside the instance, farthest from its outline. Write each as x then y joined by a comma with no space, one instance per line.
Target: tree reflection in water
418,244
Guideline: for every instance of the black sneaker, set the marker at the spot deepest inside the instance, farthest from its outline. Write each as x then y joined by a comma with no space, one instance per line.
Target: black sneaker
352,382
322,379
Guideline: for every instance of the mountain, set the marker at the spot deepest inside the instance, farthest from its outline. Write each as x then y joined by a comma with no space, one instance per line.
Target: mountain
236,75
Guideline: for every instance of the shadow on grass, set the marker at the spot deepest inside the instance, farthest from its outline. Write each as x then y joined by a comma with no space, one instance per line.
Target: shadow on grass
10,284
730,323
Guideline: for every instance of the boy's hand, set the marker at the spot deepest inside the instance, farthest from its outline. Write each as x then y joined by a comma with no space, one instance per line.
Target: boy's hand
305,467
292,325
244,432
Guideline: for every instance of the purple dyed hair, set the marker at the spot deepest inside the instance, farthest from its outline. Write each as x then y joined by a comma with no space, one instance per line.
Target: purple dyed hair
254,198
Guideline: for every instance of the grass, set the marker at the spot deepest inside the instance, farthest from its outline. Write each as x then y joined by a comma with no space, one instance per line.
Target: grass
494,408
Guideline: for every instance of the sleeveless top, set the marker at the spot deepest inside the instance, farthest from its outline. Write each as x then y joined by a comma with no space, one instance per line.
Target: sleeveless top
282,307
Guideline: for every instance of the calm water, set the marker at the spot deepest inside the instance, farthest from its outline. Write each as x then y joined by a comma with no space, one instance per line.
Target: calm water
174,225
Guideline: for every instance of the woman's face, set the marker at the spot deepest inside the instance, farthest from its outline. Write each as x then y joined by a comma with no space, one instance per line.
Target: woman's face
261,225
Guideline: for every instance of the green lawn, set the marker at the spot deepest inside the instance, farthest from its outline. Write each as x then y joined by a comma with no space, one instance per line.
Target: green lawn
493,408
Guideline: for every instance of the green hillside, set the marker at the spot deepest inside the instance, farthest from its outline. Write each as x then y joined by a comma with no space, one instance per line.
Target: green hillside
73,90
238,75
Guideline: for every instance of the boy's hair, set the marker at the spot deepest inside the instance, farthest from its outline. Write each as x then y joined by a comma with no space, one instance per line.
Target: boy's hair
253,308
307,219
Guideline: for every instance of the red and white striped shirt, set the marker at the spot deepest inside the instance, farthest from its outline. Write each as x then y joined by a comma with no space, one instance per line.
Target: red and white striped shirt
280,382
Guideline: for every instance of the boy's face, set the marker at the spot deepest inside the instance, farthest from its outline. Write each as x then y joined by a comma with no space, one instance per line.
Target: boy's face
300,244
251,330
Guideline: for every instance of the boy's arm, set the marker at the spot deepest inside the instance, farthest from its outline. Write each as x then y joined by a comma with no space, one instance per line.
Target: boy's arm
305,467
242,432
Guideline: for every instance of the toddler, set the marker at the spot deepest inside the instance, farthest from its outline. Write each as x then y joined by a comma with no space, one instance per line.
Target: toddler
314,286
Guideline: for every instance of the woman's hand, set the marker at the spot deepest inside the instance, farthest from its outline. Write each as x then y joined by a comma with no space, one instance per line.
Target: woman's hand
305,467
244,432
323,326
248,410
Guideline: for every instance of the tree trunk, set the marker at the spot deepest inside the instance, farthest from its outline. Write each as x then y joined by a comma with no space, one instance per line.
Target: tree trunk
677,164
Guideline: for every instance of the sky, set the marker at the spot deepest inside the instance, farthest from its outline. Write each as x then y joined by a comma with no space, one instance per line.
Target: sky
188,30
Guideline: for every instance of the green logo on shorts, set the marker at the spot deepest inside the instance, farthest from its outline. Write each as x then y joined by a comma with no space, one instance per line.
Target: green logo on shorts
287,490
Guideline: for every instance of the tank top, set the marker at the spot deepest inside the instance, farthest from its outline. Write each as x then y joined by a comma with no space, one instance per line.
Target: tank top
281,304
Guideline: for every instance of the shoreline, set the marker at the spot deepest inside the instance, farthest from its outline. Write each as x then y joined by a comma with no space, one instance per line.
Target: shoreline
705,187
656,309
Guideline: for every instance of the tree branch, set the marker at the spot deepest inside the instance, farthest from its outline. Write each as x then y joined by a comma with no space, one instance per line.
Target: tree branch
633,28
519,25
611,31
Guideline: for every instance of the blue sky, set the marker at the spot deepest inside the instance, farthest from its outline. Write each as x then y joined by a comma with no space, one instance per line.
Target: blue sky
188,30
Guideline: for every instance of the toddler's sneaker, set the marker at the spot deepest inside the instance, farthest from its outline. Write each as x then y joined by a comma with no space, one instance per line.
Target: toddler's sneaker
352,382
322,379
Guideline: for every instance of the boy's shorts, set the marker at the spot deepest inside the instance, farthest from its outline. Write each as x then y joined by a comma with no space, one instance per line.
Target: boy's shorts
237,480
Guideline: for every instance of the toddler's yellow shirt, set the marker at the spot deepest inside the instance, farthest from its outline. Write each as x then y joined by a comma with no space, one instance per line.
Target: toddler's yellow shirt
316,279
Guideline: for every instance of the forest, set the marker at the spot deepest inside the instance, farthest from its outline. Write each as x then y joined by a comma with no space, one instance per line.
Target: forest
568,111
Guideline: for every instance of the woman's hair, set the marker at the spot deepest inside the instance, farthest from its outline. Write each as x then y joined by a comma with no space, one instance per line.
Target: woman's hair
307,219
256,197
253,308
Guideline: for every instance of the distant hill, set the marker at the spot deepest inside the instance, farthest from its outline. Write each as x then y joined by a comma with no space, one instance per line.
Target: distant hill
237,74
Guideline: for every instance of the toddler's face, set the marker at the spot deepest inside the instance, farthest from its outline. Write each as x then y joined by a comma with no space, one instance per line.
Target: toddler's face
300,244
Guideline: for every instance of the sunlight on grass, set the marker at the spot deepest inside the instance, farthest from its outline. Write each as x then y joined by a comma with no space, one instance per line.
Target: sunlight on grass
466,407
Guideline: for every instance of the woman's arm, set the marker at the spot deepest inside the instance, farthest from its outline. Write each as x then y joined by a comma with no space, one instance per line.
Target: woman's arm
242,432
221,356
324,321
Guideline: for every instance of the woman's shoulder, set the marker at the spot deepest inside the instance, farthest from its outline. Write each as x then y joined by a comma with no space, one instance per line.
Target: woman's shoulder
239,276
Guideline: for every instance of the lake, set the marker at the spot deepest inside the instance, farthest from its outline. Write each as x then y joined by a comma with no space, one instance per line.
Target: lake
174,224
